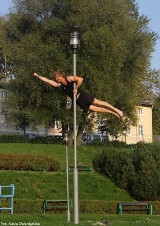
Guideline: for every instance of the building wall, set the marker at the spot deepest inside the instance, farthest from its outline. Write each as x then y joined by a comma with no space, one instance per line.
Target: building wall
143,130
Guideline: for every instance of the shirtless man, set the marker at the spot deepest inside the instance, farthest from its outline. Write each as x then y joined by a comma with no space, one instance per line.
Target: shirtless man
85,101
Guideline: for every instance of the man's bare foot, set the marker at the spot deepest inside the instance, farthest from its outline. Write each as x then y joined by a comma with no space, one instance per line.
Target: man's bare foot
120,113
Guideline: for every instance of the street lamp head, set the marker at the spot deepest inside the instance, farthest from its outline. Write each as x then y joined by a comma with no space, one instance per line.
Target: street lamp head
74,32
66,138
74,37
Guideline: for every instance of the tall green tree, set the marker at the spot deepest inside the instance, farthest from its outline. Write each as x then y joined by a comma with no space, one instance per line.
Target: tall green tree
152,85
113,59
156,118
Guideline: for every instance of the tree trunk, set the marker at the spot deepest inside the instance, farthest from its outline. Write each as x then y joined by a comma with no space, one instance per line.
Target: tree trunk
81,129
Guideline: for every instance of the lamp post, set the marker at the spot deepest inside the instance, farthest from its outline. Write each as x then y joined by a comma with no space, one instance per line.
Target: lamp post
75,32
66,141
74,45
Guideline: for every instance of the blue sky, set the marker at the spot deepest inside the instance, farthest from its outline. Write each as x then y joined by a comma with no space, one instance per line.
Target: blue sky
4,6
150,8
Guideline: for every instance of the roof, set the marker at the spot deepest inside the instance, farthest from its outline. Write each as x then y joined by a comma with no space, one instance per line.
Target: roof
146,104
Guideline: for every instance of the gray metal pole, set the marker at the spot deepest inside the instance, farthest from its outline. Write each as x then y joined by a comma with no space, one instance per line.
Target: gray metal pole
68,201
5,65
75,171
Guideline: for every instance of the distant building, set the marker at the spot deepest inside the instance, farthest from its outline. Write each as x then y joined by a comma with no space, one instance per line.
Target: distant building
143,129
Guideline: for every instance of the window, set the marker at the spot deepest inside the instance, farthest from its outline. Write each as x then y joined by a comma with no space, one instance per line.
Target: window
11,77
128,131
140,111
140,130
3,94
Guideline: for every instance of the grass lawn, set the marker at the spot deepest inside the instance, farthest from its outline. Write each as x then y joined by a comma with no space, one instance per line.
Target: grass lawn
44,185
85,154
84,220
49,185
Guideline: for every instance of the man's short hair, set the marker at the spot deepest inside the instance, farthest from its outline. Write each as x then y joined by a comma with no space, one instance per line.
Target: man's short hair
59,72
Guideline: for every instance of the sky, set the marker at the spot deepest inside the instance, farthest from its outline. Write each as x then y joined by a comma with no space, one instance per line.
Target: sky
150,8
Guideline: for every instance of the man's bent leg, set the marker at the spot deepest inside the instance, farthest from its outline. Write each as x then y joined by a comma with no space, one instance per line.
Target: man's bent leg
108,106
102,110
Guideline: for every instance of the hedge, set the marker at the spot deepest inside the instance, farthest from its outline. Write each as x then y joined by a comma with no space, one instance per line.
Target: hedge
28,162
85,206
13,138
16,138
24,206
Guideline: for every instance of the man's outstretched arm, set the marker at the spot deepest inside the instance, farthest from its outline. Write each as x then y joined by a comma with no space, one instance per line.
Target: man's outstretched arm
46,80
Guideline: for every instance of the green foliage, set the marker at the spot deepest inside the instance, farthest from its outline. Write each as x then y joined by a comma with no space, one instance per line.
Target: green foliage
114,143
52,185
46,140
155,118
28,162
25,206
147,177
136,171
6,138
85,154
97,194
117,165
97,206
116,35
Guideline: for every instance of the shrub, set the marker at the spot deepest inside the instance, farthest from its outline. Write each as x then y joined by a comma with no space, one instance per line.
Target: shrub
28,162
28,206
13,139
146,160
117,143
105,143
116,165
97,206
46,140
145,187
137,171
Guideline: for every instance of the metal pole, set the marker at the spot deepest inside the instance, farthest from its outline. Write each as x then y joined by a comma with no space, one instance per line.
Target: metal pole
5,65
75,171
68,201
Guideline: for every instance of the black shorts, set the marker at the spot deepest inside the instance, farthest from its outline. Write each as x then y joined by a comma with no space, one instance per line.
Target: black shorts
84,101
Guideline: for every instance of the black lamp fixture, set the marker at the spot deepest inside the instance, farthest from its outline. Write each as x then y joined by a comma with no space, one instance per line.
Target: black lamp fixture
66,138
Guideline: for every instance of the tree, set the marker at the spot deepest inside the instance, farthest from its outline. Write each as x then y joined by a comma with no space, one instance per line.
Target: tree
113,59
156,120
152,85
